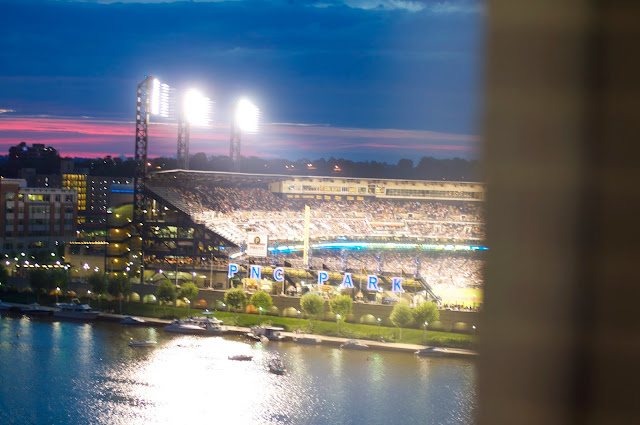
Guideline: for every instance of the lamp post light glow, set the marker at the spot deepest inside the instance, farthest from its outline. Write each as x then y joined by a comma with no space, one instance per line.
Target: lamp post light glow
379,335
57,290
299,319
259,315
338,322
188,306
424,333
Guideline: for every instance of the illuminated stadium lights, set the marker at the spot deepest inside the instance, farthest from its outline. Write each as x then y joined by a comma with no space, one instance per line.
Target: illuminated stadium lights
246,116
197,108
377,245
159,101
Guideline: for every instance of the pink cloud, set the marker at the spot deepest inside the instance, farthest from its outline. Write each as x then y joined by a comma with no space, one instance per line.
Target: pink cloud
93,137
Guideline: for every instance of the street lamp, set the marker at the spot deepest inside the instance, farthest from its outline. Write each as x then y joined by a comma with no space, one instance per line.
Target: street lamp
298,319
223,305
424,333
57,290
379,335
338,322
259,315
89,297
188,305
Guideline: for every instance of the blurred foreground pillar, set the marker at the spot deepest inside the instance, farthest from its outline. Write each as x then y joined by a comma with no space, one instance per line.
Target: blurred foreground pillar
561,334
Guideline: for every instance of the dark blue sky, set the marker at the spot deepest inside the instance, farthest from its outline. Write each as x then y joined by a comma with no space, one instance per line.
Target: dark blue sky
361,68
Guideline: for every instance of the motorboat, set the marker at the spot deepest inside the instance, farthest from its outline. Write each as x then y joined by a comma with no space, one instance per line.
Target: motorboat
352,344
5,306
34,309
272,333
432,352
184,327
209,324
75,310
131,320
306,340
276,367
241,357
133,343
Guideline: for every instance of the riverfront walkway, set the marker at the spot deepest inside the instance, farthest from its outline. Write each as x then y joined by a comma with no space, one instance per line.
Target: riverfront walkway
322,339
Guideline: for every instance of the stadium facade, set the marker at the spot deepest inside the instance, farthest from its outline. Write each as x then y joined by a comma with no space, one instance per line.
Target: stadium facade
196,223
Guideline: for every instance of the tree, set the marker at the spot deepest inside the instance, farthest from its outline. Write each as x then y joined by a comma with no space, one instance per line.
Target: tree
235,298
166,292
426,312
4,275
188,290
98,285
401,316
38,281
58,279
342,305
118,287
312,305
261,299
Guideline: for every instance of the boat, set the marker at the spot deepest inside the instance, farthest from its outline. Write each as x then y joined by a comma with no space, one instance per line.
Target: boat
241,357
432,352
5,306
34,309
306,340
133,343
184,327
276,367
352,344
75,310
272,333
211,325
131,320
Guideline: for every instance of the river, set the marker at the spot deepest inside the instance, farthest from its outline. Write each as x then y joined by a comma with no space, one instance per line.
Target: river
63,372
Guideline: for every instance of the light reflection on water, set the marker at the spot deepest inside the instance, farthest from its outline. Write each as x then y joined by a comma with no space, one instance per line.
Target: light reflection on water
66,373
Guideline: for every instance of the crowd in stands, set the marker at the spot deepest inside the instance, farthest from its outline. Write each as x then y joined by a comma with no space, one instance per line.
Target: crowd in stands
231,212
450,269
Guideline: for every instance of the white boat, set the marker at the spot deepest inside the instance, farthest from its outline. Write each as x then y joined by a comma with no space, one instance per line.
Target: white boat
432,352
75,310
306,340
352,344
211,325
34,309
133,343
5,306
272,333
241,357
130,320
183,327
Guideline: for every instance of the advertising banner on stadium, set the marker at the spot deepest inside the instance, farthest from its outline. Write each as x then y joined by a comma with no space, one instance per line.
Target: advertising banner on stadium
257,244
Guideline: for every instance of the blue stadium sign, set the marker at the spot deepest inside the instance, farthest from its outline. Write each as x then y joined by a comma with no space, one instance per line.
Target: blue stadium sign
347,282
322,277
278,274
372,283
255,272
233,269
396,284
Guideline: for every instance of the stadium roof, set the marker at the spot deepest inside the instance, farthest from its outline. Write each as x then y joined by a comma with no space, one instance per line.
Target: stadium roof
223,177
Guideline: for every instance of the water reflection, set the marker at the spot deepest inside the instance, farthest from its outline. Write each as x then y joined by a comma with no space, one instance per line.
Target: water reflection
93,377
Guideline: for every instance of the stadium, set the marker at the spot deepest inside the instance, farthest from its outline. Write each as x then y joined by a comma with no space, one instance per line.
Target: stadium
428,235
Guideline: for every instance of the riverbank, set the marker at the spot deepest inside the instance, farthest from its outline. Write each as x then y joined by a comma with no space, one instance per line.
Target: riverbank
322,339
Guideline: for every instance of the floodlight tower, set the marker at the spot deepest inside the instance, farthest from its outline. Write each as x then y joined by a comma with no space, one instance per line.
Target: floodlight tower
194,109
153,99
244,120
